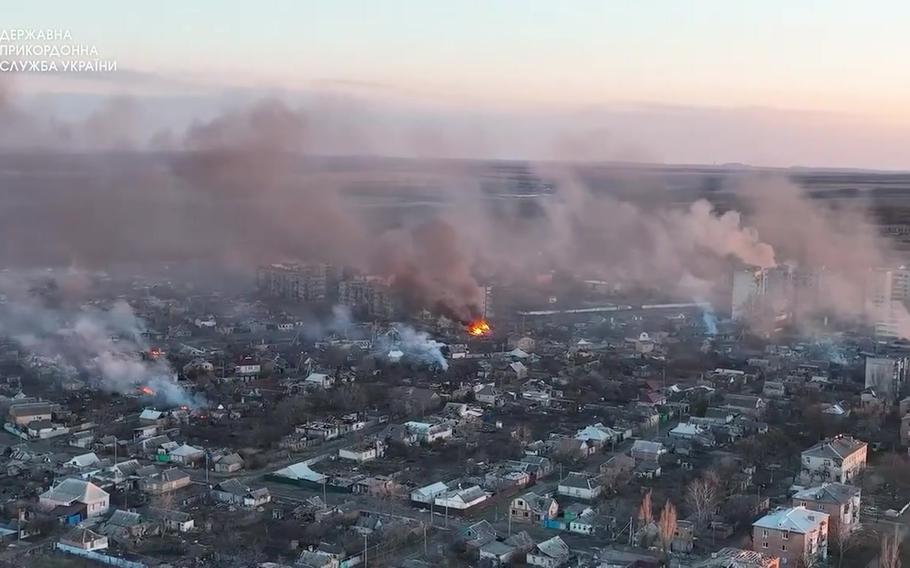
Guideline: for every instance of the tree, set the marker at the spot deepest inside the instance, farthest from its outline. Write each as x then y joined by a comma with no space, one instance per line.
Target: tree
702,496
840,542
645,514
894,471
890,552
617,474
666,526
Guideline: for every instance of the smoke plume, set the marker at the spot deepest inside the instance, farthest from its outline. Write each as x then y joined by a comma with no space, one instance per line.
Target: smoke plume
253,185
101,346
417,346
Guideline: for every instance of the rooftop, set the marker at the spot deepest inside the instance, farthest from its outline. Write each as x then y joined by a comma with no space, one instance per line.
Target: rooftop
70,490
828,493
838,447
793,519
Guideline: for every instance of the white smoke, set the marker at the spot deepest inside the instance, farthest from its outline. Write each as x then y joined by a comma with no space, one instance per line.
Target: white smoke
416,346
103,345
339,324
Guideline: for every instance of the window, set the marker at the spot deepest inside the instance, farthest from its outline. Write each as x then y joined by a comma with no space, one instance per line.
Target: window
783,547
764,545
764,533
785,536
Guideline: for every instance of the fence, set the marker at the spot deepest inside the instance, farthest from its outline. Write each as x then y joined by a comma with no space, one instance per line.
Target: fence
98,557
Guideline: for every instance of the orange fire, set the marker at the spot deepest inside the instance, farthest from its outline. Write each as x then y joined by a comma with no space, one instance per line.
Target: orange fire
479,328
146,390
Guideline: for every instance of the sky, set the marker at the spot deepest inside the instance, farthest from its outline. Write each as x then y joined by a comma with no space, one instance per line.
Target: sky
833,67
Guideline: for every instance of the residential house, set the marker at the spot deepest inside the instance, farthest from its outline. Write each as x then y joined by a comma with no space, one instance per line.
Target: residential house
550,553
692,432
229,463
840,501
537,467
487,394
363,452
23,413
519,370
461,500
165,482
430,433
234,492
646,450
533,508
496,553
479,534
247,367
145,431
738,558
572,448
583,523
83,439
84,539
151,417
174,521
599,435
427,494
44,429
92,499
581,486
186,455
324,430
83,462
795,534
839,459
126,526
319,380
749,405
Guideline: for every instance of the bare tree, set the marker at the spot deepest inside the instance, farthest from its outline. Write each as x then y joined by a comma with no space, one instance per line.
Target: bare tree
841,541
666,526
645,513
702,496
616,475
890,552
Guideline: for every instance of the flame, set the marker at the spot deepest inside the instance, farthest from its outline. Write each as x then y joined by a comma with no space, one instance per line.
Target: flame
479,328
147,390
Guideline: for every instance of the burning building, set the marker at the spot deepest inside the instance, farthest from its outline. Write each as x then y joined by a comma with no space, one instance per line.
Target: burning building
478,328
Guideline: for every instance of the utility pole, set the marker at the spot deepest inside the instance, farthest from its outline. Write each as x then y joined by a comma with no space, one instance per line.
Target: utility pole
364,551
206,467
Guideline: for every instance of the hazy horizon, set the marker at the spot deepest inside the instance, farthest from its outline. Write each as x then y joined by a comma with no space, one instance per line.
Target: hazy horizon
766,84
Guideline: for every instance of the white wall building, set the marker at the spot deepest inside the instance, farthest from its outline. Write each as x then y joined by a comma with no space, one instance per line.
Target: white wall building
69,491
